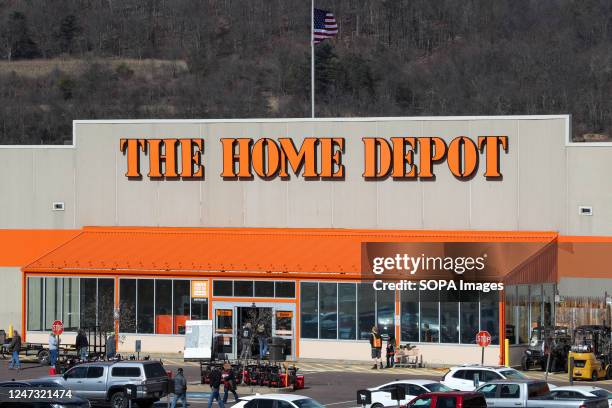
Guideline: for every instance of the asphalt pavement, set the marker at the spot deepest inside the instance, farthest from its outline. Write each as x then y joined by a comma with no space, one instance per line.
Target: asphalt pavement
333,385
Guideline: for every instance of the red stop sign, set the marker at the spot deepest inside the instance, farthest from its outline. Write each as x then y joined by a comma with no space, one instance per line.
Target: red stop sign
57,327
483,338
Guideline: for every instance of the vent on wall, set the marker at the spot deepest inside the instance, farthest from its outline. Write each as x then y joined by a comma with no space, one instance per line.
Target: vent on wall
58,206
582,210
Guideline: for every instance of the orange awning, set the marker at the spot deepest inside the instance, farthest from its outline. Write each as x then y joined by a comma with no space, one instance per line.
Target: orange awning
20,247
312,253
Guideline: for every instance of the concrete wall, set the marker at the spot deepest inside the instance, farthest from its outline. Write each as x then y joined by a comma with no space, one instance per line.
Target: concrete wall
10,312
544,181
433,355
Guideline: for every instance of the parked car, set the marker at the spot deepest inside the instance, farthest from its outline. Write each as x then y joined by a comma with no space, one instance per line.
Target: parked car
532,394
277,401
66,402
581,391
110,381
469,377
454,399
381,395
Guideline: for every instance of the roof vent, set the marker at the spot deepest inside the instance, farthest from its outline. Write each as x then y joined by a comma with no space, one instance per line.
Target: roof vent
583,210
58,206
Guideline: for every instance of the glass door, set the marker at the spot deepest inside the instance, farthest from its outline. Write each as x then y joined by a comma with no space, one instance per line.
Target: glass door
224,333
284,321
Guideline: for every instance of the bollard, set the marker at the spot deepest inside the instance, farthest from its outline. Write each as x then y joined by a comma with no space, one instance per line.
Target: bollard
507,352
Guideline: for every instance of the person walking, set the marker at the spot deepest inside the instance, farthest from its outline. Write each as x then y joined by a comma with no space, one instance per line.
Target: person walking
376,346
81,345
229,383
180,389
53,349
263,340
246,335
15,347
215,384
391,351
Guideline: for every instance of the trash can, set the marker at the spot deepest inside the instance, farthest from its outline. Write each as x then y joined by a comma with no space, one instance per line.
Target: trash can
277,346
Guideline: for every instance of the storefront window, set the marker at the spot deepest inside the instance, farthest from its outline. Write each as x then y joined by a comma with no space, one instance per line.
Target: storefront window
163,306
535,305
511,307
523,313
385,311
366,309
328,318
284,289
223,288
549,303
53,301
106,304
430,322
309,301
347,311
243,288
35,303
409,315
89,300
71,304
264,289
146,299
449,317
127,305
180,297
489,314
470,324
224,321
199,309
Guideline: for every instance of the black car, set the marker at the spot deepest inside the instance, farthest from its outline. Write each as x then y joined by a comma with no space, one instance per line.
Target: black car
54,401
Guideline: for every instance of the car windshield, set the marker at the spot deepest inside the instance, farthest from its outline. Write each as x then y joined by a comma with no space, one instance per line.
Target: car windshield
513,375
307,403
437,387
602,393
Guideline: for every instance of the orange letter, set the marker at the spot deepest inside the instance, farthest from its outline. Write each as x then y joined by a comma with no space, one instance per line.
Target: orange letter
429,155
265,163
372,166
190,157
401,157
491,144
133,155
462,157
330,157
242,157
307,157
156,157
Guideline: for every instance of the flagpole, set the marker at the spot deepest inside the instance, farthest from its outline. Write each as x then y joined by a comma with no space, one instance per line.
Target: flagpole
312,61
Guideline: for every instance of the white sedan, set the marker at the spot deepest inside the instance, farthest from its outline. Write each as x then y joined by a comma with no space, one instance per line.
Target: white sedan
581,391
381,395
276,401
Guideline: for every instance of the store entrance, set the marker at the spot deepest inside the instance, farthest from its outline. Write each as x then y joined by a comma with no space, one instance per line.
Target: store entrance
277,320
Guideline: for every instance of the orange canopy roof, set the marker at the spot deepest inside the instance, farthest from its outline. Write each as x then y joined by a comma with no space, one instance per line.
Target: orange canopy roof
20,247
315,252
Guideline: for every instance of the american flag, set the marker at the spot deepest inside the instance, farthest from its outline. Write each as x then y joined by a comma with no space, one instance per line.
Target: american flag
325,25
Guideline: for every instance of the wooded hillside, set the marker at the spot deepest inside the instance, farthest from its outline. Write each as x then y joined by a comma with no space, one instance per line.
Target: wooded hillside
84,59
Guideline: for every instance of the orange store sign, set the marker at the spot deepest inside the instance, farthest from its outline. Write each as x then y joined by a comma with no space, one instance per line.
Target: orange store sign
317,158
199,289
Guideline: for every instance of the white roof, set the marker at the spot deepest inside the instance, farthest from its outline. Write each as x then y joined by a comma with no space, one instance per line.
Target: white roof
283,397
580,388
411,381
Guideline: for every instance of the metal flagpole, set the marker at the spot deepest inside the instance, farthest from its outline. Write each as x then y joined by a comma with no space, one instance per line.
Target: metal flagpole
312,61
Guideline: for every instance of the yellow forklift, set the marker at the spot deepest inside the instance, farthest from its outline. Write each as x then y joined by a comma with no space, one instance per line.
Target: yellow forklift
592,353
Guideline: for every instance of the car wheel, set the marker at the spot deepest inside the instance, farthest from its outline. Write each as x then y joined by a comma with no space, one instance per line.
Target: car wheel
594,376
44,357
119,400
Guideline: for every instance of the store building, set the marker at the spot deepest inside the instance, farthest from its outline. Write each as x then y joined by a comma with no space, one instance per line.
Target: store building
139,226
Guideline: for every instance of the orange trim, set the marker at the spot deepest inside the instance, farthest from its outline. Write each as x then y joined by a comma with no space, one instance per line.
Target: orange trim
20,247
253,300
579,238
297,319
23,305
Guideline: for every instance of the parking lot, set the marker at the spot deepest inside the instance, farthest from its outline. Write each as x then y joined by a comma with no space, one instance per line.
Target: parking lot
331,384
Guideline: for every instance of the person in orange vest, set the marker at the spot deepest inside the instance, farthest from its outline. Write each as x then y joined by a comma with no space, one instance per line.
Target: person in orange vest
376,345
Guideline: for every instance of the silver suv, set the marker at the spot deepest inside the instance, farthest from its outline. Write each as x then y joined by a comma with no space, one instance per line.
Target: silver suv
105,382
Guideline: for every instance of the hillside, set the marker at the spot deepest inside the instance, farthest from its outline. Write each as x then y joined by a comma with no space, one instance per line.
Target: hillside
85,59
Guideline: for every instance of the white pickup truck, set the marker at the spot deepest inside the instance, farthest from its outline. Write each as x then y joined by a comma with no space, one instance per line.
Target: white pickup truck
531,394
